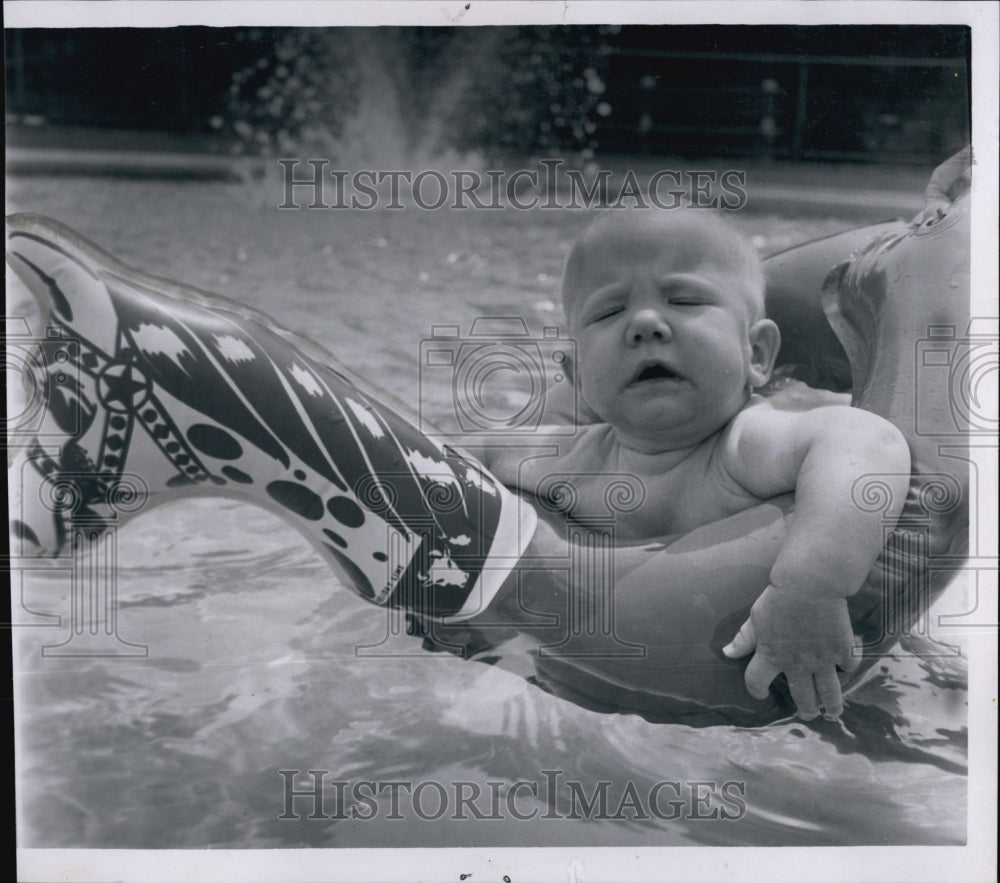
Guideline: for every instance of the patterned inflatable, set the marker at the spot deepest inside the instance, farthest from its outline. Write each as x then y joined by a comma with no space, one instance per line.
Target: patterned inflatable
153,390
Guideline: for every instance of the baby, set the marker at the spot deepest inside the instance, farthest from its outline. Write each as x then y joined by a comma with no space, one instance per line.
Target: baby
667,309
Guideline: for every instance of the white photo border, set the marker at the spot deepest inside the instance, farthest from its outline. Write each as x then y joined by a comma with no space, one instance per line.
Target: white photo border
975,861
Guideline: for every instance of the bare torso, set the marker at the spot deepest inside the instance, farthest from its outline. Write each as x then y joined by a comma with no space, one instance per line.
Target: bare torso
592,475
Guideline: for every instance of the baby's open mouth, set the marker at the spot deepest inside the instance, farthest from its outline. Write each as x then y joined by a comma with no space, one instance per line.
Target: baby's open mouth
654,371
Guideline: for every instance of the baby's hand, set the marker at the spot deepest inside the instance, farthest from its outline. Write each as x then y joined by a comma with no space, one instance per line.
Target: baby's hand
804,636
949,178
932,210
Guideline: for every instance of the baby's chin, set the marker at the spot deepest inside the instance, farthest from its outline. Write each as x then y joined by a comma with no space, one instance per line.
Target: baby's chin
669,428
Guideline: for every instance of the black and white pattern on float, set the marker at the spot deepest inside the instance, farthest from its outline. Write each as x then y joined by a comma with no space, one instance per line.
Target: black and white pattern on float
197,396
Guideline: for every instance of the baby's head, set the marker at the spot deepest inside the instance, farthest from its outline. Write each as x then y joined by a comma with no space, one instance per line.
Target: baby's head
678,236
667,308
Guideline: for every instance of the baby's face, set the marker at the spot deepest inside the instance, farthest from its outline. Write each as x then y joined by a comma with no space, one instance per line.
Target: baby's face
666,329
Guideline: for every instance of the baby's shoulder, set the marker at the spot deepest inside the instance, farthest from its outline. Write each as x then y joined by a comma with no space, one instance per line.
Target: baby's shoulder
757,412
755,433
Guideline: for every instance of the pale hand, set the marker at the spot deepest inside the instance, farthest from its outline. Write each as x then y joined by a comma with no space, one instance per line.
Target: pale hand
803,636
932,211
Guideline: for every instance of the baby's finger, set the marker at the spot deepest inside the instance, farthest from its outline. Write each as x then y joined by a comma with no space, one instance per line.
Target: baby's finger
744,642
803,690
830,697
759,675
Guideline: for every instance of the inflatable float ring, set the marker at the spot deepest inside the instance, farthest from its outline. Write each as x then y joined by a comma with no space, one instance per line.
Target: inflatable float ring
154,390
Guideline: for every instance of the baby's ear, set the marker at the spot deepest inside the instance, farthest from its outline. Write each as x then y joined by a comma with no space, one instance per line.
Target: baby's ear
765,340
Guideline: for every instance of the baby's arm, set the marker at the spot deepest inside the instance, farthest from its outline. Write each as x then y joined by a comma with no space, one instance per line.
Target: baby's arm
800,624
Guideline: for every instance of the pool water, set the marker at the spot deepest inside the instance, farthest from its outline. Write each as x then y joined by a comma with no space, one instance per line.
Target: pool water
259,661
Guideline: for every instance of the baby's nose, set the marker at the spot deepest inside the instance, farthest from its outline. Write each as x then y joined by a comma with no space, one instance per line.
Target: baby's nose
648,325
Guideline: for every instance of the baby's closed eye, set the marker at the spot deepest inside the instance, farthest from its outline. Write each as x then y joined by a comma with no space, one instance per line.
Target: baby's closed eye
604,313
687,301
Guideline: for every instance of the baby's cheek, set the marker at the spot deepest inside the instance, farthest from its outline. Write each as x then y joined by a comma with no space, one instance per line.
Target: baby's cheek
592,394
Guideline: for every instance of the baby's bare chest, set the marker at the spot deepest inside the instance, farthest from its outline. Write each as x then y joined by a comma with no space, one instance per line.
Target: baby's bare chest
588,479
